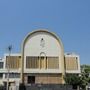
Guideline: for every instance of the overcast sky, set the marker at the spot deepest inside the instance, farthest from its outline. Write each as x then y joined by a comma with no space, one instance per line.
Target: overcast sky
69,19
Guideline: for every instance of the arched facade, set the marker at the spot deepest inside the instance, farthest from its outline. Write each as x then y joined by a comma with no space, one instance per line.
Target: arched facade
42,58
41,61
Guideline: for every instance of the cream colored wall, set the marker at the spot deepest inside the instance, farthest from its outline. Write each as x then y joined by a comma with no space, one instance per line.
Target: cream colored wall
1,81
48,79
33,48
51,48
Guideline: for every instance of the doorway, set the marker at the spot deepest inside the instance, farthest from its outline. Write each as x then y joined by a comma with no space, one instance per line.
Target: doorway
31,79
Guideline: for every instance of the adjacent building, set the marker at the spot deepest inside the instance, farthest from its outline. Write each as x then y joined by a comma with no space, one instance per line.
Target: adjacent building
42,61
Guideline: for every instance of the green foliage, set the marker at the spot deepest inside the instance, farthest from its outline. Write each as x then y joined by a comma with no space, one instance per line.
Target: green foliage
85,72
73,79
79,80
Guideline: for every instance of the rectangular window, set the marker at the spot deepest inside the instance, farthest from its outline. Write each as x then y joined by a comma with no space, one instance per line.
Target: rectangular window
52,62
32,62
71,63
13,75
42,62
1,75
1,65
13,62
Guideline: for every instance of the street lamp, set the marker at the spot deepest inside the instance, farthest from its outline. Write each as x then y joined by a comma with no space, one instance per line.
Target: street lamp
8,66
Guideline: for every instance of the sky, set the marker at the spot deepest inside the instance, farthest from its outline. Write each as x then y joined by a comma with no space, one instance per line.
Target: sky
69,19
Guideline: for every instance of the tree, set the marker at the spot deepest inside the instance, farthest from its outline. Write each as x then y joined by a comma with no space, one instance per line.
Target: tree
79,80
85,75
73,79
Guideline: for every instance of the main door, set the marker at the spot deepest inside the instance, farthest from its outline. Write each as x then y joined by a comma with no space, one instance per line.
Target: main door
31,79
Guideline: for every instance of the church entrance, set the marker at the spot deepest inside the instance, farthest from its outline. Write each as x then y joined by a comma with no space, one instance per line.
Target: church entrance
31,79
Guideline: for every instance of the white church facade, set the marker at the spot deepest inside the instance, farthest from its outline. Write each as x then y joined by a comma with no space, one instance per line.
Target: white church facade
42,61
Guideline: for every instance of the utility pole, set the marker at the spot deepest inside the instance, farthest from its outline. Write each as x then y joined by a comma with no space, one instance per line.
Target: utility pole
8,65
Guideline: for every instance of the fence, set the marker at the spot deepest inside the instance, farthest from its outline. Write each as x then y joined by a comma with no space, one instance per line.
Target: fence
48,87
41,87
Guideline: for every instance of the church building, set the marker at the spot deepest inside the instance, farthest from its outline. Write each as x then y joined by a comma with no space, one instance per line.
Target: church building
42,60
